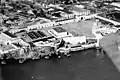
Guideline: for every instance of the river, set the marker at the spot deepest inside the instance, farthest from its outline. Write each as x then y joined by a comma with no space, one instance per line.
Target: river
82,65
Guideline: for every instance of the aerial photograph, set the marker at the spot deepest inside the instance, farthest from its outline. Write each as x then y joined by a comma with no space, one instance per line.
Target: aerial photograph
59,39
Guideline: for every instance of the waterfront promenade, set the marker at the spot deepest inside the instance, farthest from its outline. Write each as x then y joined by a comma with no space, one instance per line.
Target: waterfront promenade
110,44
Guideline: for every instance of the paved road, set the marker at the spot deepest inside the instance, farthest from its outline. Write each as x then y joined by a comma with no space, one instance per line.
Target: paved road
80,66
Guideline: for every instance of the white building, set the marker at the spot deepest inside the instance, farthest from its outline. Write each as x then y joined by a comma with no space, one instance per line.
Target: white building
80,11
117,4
59,32
74,41
39,25
5,44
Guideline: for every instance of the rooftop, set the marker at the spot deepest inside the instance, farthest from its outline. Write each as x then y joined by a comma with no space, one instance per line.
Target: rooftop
4,37
9,34
79,9
59,29
5,47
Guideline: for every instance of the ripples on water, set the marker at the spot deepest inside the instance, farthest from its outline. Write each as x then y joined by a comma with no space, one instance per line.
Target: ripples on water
82,65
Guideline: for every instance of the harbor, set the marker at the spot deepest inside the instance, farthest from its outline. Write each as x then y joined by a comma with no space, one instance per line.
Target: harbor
69,40
78,66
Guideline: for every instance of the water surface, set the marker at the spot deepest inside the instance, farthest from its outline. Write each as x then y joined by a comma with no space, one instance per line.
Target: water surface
83,65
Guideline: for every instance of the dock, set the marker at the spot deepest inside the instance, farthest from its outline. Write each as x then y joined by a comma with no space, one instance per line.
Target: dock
110,44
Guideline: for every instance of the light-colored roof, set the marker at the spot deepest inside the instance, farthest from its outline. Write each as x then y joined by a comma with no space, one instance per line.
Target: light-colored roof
75,40
5,47
116,4
4,37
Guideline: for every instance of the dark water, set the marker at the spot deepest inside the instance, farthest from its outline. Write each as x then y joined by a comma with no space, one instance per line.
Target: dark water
80,66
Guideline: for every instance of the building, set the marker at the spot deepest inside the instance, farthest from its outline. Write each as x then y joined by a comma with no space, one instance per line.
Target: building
19,43
117,4
10,35
40,25
59,32
81,11
36,35
74,41
5,45
5,48
110,17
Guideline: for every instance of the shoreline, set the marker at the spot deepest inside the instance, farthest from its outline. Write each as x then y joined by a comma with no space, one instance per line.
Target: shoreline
80,65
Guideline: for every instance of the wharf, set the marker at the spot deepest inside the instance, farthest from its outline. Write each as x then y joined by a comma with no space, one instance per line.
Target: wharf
110,44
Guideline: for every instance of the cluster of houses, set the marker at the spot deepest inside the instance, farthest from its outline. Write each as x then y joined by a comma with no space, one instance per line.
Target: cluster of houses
43,37
60,43
66,18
